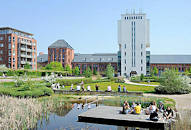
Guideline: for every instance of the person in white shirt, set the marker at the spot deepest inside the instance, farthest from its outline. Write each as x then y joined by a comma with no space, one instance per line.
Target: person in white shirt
109,89
88,88
78,87
71,88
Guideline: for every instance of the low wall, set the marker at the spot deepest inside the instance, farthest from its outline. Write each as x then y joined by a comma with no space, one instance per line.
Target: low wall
69,92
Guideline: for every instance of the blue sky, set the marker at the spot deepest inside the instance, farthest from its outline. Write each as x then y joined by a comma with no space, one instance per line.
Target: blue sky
90,26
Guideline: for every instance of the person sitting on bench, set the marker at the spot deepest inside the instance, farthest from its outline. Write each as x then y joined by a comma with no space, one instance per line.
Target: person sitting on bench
78,87
168,113
109,89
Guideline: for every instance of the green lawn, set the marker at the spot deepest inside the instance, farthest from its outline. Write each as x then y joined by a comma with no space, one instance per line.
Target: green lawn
114,86
30,89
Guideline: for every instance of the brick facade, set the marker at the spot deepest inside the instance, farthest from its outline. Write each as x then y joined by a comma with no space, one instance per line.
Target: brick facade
16,50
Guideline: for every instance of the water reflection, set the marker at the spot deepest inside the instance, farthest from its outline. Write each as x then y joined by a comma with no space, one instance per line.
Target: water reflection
66,118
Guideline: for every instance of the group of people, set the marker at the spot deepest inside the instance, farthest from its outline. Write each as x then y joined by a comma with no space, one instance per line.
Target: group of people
134,109
152,110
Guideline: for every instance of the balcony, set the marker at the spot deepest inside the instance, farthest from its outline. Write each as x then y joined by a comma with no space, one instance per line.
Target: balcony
29,50
23,55
23,49
29,56
26,43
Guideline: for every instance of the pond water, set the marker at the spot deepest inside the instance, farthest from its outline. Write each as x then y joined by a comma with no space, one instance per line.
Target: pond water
68,119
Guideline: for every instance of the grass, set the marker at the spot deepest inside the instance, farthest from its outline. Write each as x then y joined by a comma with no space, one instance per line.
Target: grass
114,86
27,89
145,101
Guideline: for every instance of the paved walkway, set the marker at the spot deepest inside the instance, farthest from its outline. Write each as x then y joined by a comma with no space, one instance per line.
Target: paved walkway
129,82
182,101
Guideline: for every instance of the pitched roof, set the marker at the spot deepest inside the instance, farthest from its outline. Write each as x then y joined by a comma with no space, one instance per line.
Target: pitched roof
42,58
60,44
170,59
98,57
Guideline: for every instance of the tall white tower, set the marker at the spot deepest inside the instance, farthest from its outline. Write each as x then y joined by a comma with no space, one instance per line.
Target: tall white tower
133,39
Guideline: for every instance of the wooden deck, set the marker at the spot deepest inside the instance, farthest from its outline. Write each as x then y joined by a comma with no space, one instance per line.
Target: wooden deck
69,92
111,115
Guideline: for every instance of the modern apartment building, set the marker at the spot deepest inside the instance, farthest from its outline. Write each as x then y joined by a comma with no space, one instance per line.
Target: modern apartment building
133,39
17,48
62,52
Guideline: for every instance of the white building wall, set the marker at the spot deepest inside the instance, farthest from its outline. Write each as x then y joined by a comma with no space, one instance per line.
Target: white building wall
133,39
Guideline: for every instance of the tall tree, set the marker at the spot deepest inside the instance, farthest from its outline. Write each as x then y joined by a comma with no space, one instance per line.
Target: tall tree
76,71
88,73
155,71
68,69
109,71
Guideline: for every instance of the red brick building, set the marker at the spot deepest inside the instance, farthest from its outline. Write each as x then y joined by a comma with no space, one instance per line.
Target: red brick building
17,48
62,52
162,62
97,62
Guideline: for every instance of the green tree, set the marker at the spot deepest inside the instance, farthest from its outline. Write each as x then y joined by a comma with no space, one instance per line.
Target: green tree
68,69
76,71
142,77
95,72
88,73
57,66
186,72
27,66
155,71
109,71
190,70
172,83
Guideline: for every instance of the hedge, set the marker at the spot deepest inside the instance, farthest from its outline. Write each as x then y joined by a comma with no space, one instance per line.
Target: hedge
36,91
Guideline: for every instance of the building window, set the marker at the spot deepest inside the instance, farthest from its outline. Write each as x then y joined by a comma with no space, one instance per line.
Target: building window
9,52
41,59
1,38
1,59
141,68
141,61
9,38
125,68
9,59
125,46
1,51
141,53
141,46
1,45
125,61
125,53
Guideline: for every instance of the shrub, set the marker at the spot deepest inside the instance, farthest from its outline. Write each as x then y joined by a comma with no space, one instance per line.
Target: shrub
10,73
87,73
172,83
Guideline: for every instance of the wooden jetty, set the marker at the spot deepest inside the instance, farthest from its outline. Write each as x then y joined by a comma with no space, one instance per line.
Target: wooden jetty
111,115
70,92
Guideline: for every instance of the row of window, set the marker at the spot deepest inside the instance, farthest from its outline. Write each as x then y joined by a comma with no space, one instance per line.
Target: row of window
8,31
134,17
141,68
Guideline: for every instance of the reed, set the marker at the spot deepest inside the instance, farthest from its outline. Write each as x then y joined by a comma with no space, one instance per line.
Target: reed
24,113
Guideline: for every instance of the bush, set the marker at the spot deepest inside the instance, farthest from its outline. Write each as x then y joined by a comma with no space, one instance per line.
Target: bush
26,90
172,83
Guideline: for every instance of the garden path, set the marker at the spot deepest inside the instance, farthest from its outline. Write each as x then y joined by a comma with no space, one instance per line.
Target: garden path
182,101
129,82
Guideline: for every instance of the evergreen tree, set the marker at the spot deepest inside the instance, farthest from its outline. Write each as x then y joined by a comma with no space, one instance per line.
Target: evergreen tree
76,71
88,73
109,71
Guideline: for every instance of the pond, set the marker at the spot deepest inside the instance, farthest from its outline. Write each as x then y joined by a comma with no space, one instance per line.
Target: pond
68,119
